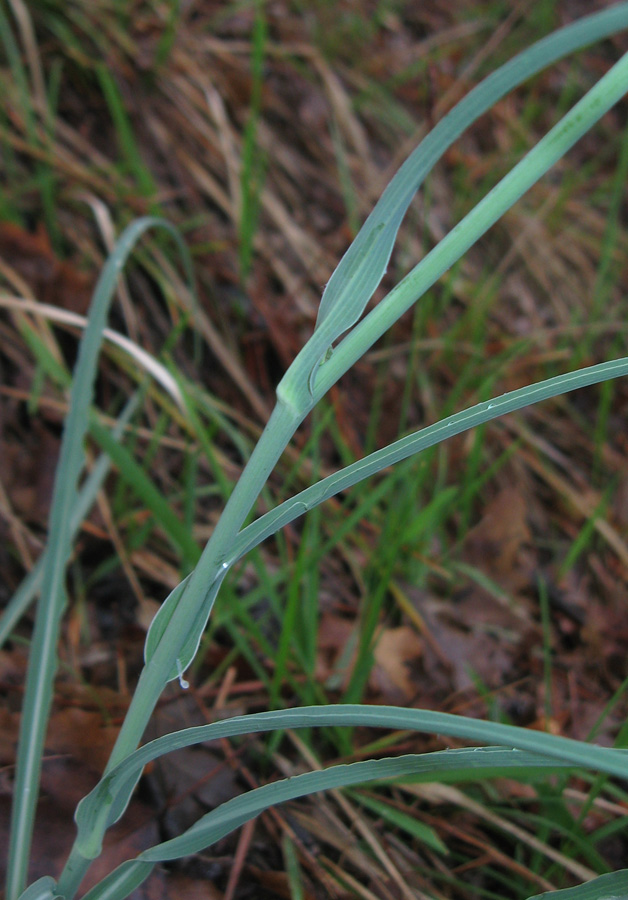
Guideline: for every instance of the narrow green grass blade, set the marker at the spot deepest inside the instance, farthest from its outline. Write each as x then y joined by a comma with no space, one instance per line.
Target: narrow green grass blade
107,801
413,443
361,269
230,815
168,34
293,870
602,96
607,887
40,678
397,819
137,479
124,131
420,767
130,875
203,432
30,586
122,881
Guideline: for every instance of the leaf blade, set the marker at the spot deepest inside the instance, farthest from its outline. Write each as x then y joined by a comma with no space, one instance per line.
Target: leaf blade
362,267
92,814
612,886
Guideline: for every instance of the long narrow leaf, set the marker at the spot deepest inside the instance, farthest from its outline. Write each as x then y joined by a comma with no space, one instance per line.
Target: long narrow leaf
426,766
161,621
107,801
133,473
537,162
42,889
413,443
607,887
362,267
122,881
411,825
483,762
40,679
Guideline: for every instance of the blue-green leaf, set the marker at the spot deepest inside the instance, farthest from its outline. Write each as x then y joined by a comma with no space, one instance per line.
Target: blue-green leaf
362,267
607,887
43,889
195,632
93,814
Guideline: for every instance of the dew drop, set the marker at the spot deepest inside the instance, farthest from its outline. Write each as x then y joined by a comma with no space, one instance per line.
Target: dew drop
184,684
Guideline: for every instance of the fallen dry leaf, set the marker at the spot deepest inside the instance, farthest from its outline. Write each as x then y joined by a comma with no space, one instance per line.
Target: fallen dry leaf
396,650
494,544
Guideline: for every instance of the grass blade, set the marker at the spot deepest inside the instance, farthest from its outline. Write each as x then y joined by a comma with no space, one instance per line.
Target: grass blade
135,476
537,162
121,882
230,815
42,889
40,679
107,801
607,887
419,830
361,269
162,619
413,443
484,762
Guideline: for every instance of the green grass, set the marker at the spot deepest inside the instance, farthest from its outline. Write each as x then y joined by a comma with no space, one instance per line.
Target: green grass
407,524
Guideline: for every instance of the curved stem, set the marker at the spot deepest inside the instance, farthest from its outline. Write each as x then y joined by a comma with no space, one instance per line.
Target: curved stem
217,556
608,91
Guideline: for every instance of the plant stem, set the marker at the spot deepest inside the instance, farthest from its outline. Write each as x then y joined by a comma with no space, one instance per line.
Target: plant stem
216,557
608,91
291,409
52,601
214,561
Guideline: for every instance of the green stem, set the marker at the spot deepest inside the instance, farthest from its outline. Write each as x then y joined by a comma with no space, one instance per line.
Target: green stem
220,553
216,558
608,91
43,653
